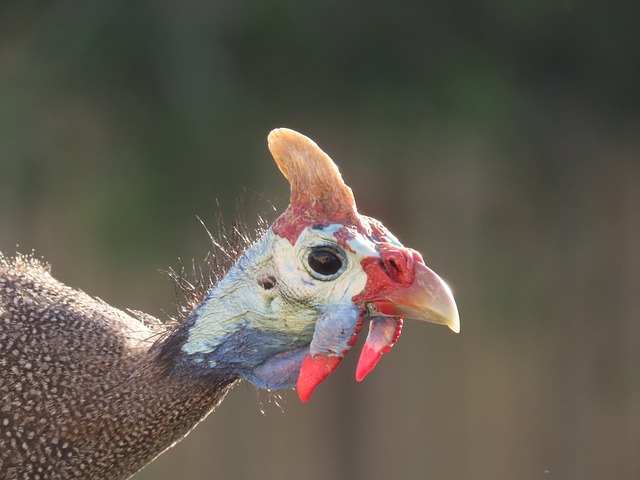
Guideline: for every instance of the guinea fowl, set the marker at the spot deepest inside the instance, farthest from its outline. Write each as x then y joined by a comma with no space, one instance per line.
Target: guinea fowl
88,391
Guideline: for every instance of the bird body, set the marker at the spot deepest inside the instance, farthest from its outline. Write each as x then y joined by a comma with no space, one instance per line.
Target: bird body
83,393
89,391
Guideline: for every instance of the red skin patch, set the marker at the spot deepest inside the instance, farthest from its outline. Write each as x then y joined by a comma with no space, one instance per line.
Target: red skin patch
394,269
300,216
343,235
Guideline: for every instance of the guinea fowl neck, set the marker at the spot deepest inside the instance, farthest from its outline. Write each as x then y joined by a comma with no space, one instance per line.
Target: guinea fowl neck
150,411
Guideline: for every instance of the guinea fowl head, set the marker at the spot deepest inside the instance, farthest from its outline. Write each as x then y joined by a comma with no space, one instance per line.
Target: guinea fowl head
295,303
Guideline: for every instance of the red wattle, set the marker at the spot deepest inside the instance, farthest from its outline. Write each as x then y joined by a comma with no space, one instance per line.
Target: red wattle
314,369
383,334
368,359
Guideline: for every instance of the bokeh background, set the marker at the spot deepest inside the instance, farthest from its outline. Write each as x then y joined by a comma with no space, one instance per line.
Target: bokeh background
499,138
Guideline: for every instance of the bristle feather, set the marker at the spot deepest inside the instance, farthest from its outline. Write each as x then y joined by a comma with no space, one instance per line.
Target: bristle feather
228,245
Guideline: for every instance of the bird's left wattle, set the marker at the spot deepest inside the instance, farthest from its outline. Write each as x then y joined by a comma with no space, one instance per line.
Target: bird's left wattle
392,281
383,334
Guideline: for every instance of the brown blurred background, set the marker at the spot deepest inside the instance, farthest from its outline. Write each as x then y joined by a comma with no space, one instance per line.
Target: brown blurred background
499,138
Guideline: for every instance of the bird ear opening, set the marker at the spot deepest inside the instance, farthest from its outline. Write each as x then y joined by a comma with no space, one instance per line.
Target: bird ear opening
318,193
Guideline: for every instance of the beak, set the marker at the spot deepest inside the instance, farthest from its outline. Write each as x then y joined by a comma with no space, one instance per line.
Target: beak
427,298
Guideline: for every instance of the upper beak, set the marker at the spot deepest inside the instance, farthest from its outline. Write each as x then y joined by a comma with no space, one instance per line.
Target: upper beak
427,298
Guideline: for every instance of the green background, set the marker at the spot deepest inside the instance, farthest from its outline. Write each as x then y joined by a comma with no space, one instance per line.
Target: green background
499,138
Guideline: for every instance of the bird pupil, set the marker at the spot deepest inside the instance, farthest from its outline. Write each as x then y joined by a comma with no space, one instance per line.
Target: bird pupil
324,262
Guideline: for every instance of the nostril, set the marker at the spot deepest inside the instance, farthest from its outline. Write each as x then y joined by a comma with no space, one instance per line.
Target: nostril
384,266
397,264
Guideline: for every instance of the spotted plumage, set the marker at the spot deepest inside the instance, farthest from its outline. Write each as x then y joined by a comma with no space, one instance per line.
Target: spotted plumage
75,383
91,392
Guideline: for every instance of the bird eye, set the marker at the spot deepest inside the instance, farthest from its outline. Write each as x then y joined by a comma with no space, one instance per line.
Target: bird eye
325,262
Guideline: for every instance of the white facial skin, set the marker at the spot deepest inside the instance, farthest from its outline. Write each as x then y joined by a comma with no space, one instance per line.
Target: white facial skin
260,320
301,283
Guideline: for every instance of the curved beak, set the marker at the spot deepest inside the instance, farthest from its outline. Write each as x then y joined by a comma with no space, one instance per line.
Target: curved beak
427,298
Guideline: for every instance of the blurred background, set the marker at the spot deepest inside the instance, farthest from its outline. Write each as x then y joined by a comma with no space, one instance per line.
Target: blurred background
499,138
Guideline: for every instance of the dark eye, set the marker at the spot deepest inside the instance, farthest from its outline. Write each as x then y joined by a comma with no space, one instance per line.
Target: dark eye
324,261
